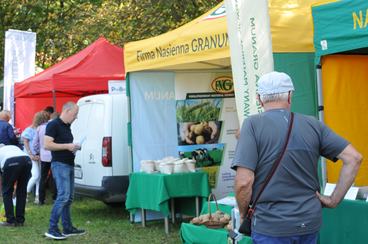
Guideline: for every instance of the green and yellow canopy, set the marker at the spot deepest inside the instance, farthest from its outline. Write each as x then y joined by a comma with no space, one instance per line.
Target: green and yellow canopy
203,43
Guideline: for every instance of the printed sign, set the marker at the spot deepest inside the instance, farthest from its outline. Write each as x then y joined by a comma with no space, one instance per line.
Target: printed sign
223,85
117,87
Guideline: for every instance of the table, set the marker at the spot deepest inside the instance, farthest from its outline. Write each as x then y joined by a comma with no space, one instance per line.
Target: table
153,192
345,224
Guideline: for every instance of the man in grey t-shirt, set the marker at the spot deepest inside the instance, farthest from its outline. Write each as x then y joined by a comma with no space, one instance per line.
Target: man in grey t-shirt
290,207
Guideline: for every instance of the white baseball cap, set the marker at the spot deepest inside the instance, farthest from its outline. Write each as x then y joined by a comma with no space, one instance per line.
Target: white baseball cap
274,83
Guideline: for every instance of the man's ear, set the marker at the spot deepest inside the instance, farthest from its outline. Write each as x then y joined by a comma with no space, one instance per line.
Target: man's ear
259,100
289,97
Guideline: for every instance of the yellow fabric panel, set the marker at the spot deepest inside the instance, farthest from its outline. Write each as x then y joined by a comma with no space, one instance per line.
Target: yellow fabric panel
189,41
323,2
291,25
345,94
291,28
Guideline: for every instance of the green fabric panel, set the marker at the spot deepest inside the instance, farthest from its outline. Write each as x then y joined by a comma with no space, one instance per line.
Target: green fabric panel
153,191
129,129
301,68
345,224
127,83
191,234
340,26
245,240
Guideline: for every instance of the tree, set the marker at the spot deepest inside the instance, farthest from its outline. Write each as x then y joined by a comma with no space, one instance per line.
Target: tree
65,27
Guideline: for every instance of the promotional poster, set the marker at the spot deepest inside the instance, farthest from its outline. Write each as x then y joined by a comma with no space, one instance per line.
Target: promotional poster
189,115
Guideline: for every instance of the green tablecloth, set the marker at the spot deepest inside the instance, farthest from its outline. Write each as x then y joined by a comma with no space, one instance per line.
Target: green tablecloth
191,234
347,223
153,191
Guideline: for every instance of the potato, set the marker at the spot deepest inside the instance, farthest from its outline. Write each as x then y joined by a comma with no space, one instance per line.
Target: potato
218,212
199,139
198,129
206,215
205,218
215,218
196,220
223,220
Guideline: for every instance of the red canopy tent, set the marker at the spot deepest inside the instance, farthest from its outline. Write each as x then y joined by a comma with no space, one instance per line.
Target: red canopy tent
84,73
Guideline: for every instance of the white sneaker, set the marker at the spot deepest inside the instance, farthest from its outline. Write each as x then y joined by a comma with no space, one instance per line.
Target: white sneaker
36,201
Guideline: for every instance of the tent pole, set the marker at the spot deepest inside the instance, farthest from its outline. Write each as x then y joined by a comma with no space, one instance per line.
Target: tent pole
130,139
54,99
321,118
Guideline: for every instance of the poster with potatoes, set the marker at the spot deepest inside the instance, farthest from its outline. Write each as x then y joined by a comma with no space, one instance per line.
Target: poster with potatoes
188,114
198,121
206,123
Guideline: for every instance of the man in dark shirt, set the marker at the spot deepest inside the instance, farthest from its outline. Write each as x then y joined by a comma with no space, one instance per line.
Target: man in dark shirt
7,136
59,140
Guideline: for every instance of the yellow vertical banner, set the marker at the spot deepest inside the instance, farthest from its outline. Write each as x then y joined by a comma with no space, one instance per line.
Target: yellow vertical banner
345,95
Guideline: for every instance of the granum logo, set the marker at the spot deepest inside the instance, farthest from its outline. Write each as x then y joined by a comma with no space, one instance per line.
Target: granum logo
223,84
218,13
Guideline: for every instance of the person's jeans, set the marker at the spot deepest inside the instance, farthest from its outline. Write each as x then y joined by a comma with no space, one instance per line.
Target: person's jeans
300,239
64,179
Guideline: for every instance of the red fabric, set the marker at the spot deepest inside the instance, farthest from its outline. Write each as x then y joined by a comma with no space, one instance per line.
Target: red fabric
84,73
26,107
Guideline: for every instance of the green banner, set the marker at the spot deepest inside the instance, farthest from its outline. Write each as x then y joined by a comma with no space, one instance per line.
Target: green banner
340,26
300,67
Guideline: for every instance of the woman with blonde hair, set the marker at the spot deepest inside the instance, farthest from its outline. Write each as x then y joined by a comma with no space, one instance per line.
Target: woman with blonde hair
28,137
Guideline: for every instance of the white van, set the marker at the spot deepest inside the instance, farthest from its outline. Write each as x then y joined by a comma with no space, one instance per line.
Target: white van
102,166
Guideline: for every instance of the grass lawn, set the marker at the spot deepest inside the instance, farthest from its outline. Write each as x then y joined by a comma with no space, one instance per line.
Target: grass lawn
103,224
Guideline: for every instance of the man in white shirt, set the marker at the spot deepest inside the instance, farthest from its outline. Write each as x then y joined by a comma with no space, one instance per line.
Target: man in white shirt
15,167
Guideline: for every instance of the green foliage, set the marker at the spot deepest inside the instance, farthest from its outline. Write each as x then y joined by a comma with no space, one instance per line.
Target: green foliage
64,27
203,110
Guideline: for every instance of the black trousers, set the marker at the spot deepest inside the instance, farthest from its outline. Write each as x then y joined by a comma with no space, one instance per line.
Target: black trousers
16,169
45,178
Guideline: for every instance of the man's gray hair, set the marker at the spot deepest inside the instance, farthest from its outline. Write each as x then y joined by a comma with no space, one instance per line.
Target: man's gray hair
277,97
69,106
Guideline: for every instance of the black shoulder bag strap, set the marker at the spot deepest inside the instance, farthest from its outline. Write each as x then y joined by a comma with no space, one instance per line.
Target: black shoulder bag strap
252,205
